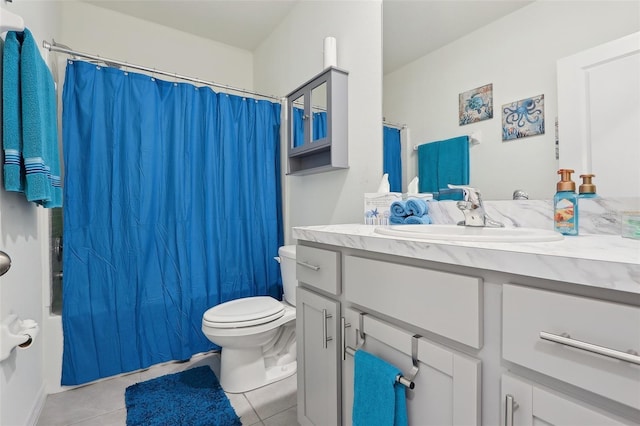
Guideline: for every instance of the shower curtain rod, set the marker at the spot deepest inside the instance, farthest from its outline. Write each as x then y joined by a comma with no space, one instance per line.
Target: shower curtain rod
53,47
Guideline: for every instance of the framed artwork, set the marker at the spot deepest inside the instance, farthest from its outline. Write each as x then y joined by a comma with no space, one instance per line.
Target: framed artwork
475,105
523,118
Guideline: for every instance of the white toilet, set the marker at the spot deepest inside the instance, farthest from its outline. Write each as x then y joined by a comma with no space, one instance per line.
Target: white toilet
256,334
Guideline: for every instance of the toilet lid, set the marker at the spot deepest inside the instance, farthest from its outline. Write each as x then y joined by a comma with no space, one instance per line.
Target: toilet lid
244,312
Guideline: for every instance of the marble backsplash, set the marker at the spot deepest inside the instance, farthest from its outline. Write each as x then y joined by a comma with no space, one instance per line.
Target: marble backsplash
596,215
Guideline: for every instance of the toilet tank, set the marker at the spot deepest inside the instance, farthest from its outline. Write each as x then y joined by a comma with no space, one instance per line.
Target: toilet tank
288,270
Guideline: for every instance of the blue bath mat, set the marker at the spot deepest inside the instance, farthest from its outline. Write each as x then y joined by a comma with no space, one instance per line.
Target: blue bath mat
190,398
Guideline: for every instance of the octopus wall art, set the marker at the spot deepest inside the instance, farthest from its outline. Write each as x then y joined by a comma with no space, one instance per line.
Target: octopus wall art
523,118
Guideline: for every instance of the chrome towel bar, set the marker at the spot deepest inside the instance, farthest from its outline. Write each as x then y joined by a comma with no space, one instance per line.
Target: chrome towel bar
405,380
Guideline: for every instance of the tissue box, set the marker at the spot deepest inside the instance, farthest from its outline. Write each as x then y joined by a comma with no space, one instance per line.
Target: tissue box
376,206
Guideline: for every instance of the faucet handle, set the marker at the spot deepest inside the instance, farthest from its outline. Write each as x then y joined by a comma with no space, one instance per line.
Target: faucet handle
470,194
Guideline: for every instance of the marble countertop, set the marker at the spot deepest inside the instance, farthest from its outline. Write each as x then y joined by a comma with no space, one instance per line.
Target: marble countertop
598,260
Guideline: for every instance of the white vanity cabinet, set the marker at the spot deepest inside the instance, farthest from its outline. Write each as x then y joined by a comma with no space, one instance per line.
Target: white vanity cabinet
498,343
526,404
318,335
589,343
319,368
447,384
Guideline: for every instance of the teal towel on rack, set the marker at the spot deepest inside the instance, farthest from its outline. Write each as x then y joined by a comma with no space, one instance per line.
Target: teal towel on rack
11,115
39,126
378,399
442,163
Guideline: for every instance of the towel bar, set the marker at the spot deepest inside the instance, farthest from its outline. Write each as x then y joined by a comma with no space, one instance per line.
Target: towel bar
400,378
406,380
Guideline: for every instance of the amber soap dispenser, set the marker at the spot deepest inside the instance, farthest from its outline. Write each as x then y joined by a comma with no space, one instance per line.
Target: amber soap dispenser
565,205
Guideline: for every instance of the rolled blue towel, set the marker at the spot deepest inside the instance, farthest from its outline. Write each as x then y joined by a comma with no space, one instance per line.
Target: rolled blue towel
398,209
418,220
416,207
396,220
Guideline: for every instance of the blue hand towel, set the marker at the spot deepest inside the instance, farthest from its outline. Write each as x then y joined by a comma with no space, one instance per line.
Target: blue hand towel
378,399
11,115
418,220
396,220
416,207
398,209
39,127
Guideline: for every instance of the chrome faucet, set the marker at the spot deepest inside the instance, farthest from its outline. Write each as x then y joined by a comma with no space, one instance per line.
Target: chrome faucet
473,209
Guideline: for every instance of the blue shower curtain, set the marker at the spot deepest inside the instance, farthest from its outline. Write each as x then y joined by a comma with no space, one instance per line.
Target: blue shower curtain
391,158
172,205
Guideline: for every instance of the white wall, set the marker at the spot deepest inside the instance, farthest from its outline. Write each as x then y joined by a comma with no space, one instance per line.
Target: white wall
518,55
292,55
24,236
110,34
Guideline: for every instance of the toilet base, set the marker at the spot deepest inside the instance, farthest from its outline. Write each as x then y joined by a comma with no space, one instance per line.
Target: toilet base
242,370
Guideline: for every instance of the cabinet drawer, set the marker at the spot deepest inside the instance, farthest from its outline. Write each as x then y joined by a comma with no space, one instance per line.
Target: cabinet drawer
446,304
528,312
318,268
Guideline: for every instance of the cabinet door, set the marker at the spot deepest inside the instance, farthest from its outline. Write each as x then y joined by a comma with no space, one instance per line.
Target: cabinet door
447,386
318,335
525,404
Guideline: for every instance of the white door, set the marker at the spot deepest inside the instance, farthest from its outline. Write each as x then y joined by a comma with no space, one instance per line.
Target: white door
599,115
448,383
317,335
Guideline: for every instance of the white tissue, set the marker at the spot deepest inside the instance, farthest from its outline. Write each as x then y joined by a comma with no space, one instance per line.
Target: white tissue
412,188
330,52
384,184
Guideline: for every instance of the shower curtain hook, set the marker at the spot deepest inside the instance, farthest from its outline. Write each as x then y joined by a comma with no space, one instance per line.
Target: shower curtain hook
175,79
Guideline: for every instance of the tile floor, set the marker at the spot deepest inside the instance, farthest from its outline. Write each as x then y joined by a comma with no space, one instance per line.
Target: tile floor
102,403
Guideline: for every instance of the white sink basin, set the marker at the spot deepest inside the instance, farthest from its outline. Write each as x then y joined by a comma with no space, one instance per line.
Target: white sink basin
468,233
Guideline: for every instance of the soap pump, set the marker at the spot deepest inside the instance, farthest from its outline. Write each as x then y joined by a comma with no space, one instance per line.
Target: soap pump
587,189
565,204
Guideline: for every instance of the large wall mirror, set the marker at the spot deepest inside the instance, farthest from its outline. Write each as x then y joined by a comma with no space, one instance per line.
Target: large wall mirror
434,51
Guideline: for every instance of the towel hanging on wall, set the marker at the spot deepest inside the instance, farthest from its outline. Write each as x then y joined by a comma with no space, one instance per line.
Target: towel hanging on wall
32,164
443,162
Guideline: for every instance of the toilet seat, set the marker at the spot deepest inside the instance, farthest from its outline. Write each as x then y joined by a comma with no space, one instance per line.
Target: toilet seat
245,312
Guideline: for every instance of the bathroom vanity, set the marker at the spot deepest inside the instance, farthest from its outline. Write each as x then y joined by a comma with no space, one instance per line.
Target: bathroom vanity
496,330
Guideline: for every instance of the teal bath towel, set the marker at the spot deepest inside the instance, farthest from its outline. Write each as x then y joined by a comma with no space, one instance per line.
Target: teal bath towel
32,164
11,115
442,163
39,127
378,399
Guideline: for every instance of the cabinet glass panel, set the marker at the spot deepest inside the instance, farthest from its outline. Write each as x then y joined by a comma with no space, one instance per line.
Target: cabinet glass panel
298,122
319,115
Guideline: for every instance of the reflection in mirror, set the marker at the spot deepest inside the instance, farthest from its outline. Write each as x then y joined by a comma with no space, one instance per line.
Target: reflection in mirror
298,122
392,155
319,108
423,90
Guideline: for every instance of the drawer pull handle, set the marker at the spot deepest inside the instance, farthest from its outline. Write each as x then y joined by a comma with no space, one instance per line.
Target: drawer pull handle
510,405
565,339
308,265
325,338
